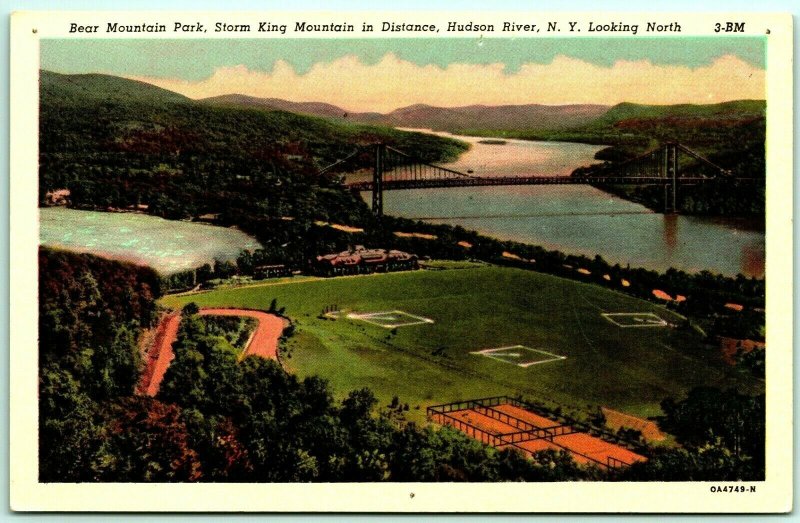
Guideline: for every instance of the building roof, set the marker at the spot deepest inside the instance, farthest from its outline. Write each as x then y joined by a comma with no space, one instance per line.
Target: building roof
360,254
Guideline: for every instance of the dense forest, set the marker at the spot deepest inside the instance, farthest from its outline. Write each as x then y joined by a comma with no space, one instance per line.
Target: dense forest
91,313
219,419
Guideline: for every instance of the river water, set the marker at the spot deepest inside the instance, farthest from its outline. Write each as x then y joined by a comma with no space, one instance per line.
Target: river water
578,219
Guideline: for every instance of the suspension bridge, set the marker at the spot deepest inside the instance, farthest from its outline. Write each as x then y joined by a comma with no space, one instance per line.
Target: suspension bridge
671,165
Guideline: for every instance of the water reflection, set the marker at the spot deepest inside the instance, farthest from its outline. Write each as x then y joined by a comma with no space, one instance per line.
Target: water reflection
752,259
670,234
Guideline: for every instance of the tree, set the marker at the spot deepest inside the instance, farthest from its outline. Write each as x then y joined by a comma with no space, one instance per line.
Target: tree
357,406
190,309
224,269
204,273
724,419
244,262
711,462
71,433
148,442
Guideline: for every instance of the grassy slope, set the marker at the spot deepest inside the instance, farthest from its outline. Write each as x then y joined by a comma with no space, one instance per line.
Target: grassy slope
627,369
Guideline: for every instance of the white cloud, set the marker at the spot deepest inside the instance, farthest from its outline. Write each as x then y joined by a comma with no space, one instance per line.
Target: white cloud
393,83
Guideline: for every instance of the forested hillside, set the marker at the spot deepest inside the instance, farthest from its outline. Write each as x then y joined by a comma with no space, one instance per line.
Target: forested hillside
115,143
91,312
731,135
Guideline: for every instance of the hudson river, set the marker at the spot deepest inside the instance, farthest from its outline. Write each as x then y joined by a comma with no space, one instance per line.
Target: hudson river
578,219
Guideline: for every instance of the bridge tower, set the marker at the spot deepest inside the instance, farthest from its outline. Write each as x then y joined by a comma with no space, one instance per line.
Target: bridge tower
669,170
377,179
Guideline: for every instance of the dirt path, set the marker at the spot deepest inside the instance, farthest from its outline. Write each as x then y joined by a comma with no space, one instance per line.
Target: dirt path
160,354
263,343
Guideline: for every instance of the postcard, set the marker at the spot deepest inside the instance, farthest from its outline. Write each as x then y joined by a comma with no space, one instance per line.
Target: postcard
401,262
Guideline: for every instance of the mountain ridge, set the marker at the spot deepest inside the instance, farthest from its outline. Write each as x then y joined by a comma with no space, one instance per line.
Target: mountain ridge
512,116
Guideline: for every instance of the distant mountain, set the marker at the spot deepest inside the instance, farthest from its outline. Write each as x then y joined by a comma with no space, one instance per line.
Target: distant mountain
82,87
310,108
456,119
506,117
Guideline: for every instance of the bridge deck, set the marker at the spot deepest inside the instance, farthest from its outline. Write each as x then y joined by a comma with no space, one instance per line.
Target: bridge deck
475,181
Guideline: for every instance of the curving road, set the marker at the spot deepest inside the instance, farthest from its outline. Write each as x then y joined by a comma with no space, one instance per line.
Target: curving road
262,343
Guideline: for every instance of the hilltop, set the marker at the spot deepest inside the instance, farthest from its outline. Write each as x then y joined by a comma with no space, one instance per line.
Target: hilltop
628,111
82,88
324,110
697,125
422,116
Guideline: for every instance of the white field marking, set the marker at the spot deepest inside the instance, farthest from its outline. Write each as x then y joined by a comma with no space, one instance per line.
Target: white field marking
499,354
380,318
644,319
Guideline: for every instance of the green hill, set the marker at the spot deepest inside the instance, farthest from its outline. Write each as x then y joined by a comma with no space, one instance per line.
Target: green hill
116,143
740,109
80,88
730,134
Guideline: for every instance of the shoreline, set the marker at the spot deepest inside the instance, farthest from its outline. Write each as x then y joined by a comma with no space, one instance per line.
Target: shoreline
140,261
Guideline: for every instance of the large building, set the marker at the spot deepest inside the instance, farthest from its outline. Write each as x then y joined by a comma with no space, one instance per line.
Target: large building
360,260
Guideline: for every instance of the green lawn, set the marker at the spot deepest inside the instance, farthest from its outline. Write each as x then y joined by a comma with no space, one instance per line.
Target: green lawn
628,369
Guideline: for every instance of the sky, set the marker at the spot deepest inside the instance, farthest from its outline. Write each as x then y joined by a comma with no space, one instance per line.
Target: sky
385,74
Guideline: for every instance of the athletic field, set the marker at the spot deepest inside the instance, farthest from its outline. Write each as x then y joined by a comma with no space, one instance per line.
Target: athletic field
439,336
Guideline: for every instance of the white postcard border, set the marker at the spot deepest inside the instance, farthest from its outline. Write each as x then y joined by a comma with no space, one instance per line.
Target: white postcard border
774,494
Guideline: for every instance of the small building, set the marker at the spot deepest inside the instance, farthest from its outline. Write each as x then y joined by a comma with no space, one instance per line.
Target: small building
262,272
360,260
211,217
